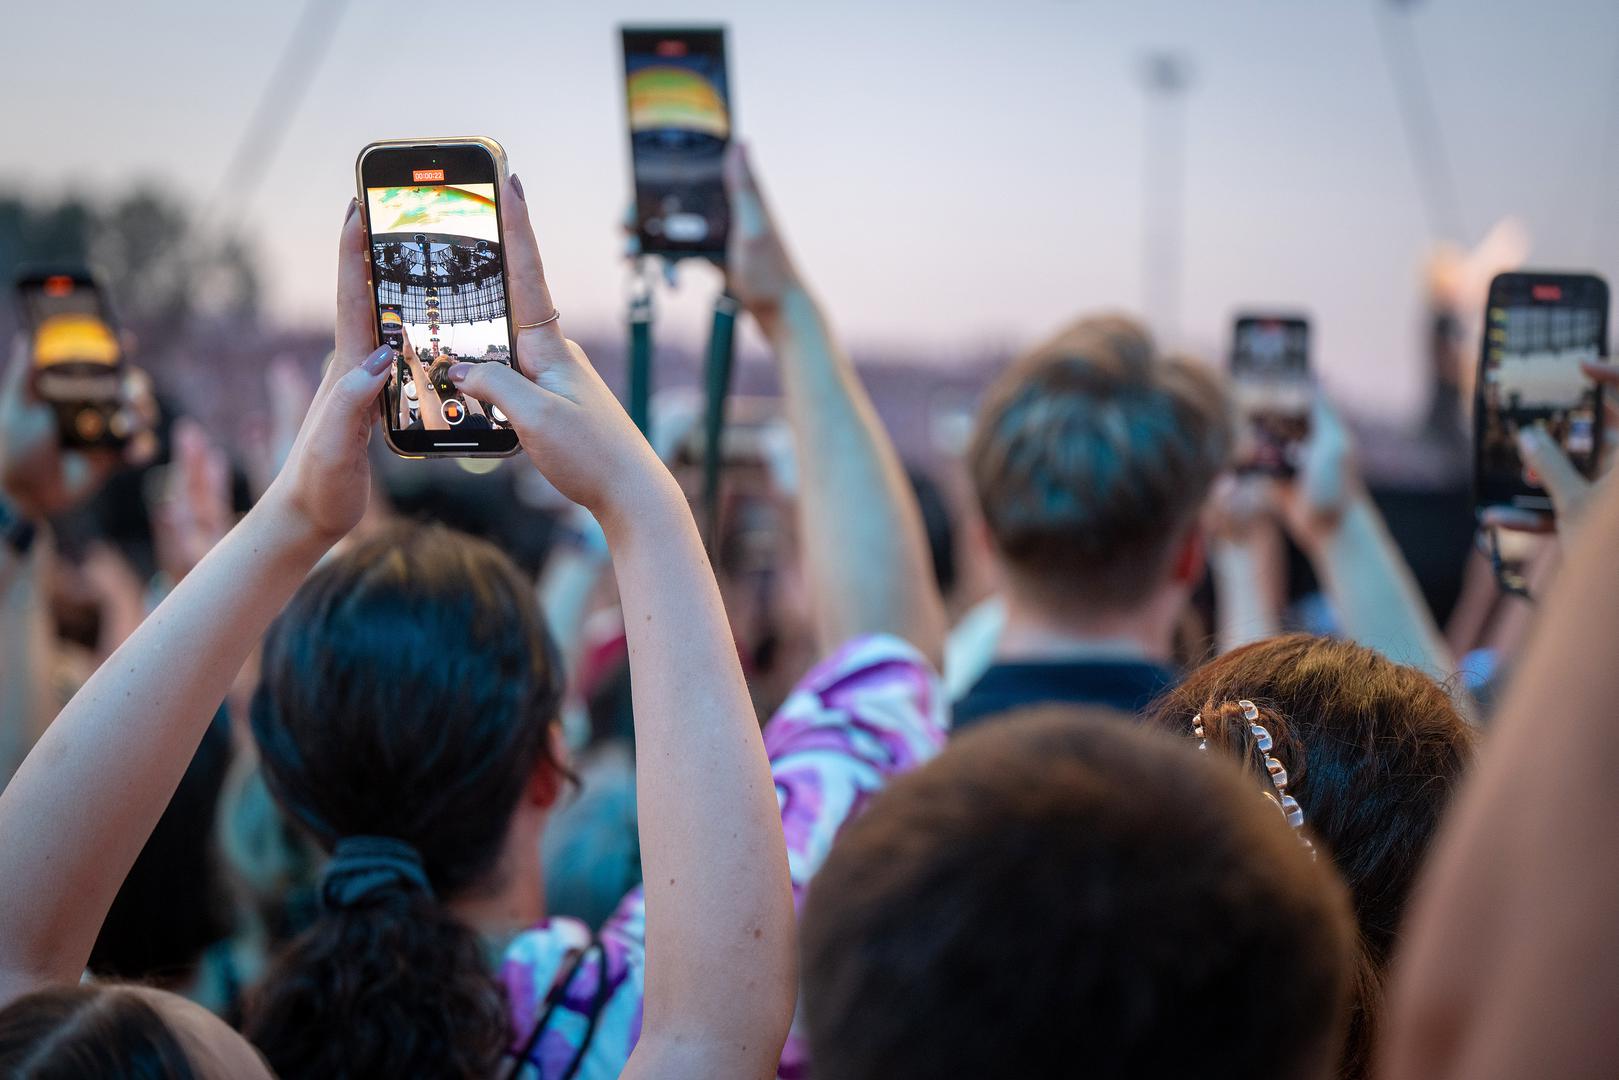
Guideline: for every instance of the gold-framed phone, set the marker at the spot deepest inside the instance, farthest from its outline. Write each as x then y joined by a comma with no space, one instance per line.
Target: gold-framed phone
440,292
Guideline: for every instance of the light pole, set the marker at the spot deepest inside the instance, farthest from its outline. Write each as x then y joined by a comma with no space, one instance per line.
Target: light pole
1166,77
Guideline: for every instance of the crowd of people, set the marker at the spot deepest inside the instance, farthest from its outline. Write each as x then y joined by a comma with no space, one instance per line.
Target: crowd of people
314,788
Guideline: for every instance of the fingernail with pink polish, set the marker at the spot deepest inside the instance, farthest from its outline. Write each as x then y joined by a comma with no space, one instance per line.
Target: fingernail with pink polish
378,362
517,186
458,372
353,206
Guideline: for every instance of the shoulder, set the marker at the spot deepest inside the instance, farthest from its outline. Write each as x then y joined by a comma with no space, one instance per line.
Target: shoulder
873,709
596,981
877,688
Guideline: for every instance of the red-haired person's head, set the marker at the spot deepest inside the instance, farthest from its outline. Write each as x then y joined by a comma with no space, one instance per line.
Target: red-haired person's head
1372,751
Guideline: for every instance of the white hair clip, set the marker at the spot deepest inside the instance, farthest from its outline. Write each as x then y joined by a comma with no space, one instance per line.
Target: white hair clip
1292,812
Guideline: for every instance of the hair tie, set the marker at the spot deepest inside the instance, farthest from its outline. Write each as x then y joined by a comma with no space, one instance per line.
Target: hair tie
1292,812
361,867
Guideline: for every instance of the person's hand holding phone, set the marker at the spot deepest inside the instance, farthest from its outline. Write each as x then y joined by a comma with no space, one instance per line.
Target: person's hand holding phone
1569,489
324,486
572,427
759,271
429,405
1314,501
40,476
1240,507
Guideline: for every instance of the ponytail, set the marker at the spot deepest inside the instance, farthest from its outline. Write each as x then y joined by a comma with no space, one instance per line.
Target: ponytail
404,711
385,983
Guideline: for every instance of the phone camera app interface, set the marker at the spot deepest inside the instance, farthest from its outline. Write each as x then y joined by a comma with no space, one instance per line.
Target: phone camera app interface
1532,357
441,297
679,126
1272,385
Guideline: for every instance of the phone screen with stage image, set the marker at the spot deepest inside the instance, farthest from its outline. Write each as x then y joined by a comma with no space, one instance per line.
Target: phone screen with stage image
679,105
439,272
1274,391
78,359
1538,329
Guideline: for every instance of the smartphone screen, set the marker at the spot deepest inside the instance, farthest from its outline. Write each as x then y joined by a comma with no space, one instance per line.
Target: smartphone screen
1538,329
78,360
432,212
1274,391
678,97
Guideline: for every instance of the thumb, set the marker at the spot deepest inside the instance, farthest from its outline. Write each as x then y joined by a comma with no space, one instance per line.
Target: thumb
355,391
1562,481
16,387
501,386
82,475
1602,372
752,219
1325,481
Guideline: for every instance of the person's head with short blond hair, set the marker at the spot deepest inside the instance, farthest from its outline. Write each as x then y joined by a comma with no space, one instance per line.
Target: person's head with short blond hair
1092,458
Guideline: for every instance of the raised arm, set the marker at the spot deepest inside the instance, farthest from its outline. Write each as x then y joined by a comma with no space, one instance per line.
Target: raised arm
1331,516
1246,561
1512,962
26,707
861,529
84,802
721,946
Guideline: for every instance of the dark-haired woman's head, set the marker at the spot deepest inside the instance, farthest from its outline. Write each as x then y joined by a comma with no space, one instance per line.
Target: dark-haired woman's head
408,693
1372,749
118,1031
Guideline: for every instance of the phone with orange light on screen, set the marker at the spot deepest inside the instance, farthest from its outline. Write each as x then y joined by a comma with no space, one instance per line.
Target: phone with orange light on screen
79,367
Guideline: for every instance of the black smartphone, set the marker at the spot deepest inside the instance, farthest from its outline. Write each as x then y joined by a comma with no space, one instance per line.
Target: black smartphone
78,359
679,103
1274,391
1538,329
438,270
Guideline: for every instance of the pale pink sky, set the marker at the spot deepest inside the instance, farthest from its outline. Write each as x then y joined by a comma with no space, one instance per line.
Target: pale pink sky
951,173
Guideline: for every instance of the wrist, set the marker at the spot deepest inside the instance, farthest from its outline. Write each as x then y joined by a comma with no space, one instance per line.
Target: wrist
648,499
283,525
18,528
791,311
1328,528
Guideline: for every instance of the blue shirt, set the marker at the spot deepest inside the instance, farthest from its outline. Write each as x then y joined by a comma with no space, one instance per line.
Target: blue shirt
1127,685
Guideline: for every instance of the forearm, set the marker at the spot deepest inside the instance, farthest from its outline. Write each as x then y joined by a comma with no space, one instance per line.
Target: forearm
1374,593
1475,607
718,899
25,661
867,552
1515,913
1248,590
84,802
568,582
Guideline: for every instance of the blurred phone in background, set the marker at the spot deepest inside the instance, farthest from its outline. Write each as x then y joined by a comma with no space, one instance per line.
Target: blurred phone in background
1274,390
678,99
78,360
1538,329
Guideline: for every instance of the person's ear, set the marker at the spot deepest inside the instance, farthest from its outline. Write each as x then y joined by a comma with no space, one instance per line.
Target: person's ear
1187,566
545,782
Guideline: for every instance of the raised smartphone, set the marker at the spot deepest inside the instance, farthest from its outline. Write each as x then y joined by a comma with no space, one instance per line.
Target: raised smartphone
679,103
1539,328
1274,391
78,360
438,272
